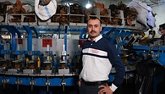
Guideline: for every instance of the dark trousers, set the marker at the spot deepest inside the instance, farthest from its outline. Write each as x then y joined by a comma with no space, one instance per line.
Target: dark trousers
90,88
85,89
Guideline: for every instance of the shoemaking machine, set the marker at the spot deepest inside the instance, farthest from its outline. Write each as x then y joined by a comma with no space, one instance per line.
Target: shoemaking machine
40,55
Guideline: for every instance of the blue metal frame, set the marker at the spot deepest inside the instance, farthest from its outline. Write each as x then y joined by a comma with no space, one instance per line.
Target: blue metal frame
35,31
160,51
29,39
65,37
39,80
13,30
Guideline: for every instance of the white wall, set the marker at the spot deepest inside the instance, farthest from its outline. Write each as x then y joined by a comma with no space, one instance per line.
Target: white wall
160,10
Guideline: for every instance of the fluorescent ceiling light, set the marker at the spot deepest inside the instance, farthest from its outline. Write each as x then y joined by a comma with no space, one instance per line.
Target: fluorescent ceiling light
88,5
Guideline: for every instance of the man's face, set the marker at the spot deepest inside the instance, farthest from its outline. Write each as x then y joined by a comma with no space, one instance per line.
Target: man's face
162,31
94,28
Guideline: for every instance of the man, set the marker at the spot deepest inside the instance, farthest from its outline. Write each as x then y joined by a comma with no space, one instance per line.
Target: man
161,40
162,31
98,56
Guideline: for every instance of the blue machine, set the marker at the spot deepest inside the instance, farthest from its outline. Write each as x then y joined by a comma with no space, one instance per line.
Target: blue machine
33,79
117,35
158,52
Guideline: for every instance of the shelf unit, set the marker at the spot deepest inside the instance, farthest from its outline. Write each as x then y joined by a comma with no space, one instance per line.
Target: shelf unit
65,15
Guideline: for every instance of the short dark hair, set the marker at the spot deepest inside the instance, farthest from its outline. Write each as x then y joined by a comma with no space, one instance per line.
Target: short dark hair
94,18
162,26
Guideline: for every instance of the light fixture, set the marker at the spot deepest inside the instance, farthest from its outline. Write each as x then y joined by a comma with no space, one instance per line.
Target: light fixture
67,2
88,5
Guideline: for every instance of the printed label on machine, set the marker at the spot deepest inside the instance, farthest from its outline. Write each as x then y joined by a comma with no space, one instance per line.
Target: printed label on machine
46,42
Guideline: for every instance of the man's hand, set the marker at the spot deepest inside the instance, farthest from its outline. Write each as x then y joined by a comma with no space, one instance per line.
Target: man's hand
79,83
105,89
